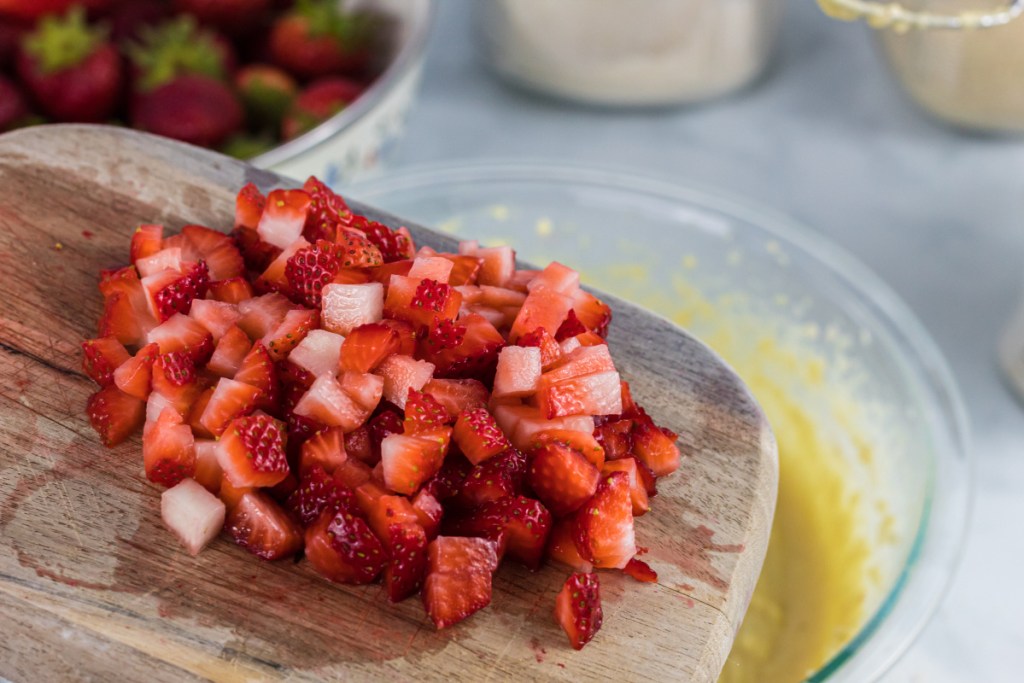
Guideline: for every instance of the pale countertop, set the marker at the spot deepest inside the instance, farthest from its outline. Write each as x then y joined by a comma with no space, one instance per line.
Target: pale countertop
829,139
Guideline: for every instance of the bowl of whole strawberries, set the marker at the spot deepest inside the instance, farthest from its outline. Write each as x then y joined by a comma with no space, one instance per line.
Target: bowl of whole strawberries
302,86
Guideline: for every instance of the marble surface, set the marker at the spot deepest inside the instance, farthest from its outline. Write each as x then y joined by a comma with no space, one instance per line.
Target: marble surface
828,138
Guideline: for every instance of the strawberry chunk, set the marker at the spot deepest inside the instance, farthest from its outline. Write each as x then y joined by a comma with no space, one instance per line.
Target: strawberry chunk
258,370
465,269
478,435
578,608
262,314
134,376
408,461
518,525
230,399
428,511
654,448
230,351
175,378
215,249
421,302
146,241
641,571
249,206
114,415
326,210
558,277
544,307
424,413
458,395
458,582
562,547
290,332
431,268
318,353
367,346
475,358
208,472
193,514
592,312
310,269
168,449
445,334
404,574
101,357
394,245
562,478
343,549
637,490
324,449
328,403
283,218
252,451
495,478
584,442
319,491
570,327
518,372
182,333
616,438
216,316
259,525
173,292
347,306
550,351
401,375
231,291
595,394
603,529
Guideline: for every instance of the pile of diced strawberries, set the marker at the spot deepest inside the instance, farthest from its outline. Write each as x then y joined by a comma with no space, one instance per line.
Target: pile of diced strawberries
313,383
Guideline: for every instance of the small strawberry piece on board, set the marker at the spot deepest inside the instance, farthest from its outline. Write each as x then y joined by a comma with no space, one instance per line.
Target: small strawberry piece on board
495,478
259,525
249,206
343,549
562,478
114,415
544,307
252,451
168,449
347,306
283,218
478,435
146,241
596,394
518,372
134,376
518,525
230,399
101,357
404,575
604,525
458,582
230,351
292,330
562,547
208,472
193,514
409,461
550,351
318,353
367,346
318,491
637,490
584,442
641,571
578,609
654,448
328,403
182,333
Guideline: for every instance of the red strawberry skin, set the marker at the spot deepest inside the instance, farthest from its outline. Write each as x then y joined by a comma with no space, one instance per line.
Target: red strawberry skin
115,415
12,105
317,103
311,47
519,525
260,526
578,609
343,549
458,582
192,108
404,574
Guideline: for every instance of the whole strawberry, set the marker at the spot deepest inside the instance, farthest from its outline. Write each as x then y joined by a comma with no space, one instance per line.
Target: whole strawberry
267,92
317,103
70,69
180,89
317,38
12,105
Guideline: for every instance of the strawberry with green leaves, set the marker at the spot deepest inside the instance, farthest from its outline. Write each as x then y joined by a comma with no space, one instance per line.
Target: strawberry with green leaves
267,93
317,38
180,89
70,68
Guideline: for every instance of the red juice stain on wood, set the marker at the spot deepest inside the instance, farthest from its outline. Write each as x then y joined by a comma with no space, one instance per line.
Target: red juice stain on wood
560,665
87,234
538,651
44,572
693,552
688,587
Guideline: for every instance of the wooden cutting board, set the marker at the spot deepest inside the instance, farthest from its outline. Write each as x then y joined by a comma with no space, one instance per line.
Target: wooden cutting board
93,587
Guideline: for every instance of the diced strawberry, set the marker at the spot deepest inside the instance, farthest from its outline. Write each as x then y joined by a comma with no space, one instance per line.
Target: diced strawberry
231,291
403,576
475,358
518,525
401,374
457,395
182,333
615,438
318,352
458,582
562,478
327,403
352,473
252,451
229,352
478,435
582,361
146,241
155,405
429,511
292,330
450,478
359,251
465,269
326,210
101,357
364,388
654,448
257,254
641,571
596,394
114,415
571,327
167,258
262,314
578,608
284,216
434,268
168,449
558,277
562,547
646,477
295,381
348,306
173,292
382,274
230,399
367,345
406,335
550,351
310,269
518,372
544,307
134,376
318,491
257,369
214,248
394,245
216,316
383,509
592,312
175,378
193,514
231,494
389,420
343,549
357,445
498,263
195,412
529,425
274,278
569,345
604,525
589,339
583,442
259,525
637,492
249,207
424,413
445,334
123,319
421,302
495,478
408,461
325,449
208,472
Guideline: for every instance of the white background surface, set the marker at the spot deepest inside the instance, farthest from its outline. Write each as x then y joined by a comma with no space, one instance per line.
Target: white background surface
829,139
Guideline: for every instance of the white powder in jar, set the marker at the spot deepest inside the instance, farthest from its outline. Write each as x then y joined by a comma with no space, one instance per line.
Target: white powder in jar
630,52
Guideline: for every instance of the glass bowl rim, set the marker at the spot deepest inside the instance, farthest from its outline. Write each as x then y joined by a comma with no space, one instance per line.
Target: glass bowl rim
920,352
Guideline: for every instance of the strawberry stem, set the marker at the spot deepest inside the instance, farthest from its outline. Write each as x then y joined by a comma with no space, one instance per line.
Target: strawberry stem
326,18
173,49
62,42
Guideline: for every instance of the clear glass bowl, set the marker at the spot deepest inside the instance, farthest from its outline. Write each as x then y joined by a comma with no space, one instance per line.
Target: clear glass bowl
797,318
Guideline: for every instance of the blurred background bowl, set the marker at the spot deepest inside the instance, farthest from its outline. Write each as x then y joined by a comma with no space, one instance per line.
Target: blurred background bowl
874,476
360,136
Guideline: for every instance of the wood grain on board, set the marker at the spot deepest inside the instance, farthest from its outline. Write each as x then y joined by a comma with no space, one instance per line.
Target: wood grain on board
93,587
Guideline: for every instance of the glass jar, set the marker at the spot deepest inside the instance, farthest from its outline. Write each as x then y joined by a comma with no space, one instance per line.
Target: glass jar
629,52
972,77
